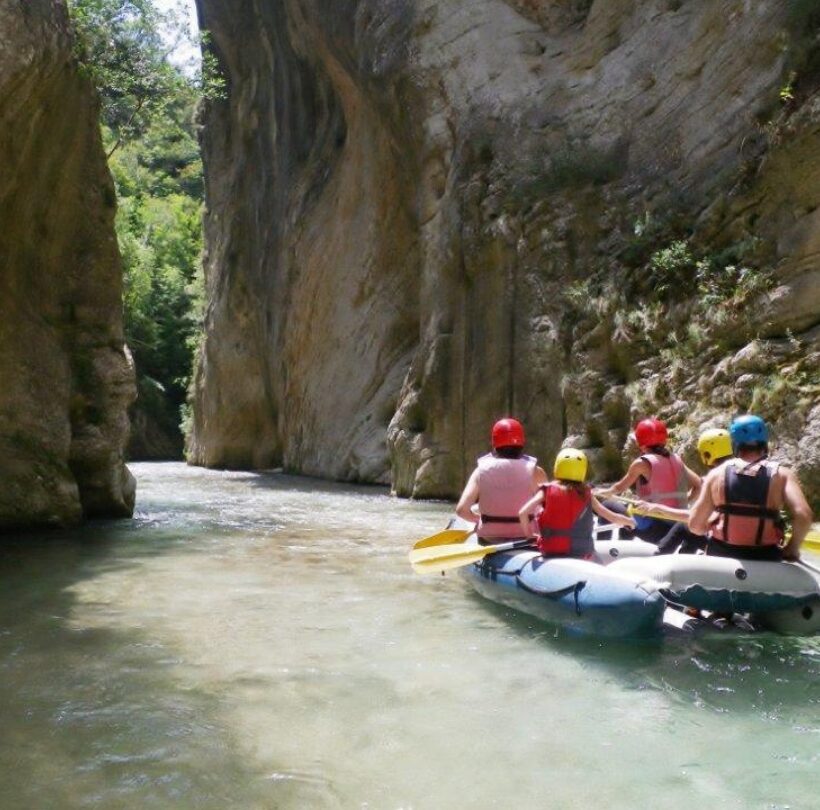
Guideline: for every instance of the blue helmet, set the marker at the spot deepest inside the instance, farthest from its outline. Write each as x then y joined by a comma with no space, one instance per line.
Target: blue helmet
748,429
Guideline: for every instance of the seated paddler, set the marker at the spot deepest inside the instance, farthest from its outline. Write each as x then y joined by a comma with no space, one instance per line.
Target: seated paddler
659,476
741,500
714,448
501,482
564,509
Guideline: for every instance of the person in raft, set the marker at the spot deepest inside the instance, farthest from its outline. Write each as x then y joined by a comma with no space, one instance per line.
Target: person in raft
714,447
500,483
660,477
740,502
566,505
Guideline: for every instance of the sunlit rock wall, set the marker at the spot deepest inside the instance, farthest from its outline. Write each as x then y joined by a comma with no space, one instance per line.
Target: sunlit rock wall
402,193
65,378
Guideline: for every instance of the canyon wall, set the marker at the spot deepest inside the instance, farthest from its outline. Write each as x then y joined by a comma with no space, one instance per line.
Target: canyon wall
66,378
424,215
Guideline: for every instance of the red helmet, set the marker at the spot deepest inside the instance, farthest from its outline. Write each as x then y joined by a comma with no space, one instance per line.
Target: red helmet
650,432
508,433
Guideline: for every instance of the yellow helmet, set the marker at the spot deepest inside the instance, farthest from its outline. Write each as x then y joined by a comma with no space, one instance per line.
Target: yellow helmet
714,445
570,465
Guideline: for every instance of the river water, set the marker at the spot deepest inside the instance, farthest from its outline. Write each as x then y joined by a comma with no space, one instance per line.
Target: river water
259,641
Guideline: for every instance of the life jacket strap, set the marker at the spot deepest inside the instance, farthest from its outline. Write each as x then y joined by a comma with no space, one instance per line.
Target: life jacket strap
748,510
546,532
501,519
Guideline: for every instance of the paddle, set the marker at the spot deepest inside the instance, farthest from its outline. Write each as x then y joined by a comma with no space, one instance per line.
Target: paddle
803,564
445,538
656,511
810,541
443,558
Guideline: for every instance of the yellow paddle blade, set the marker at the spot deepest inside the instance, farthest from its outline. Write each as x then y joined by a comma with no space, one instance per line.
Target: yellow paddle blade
445,538
431,558
811,541
443,558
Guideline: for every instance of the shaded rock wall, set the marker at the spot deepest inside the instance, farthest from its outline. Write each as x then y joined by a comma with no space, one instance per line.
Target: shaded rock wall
66,377
311,250
402,193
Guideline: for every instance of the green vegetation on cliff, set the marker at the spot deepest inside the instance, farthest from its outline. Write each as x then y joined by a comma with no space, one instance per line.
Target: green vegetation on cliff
159,184
148,121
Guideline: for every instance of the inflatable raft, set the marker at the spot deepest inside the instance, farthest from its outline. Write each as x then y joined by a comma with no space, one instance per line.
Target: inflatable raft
610,548
626,595
781,596
584,598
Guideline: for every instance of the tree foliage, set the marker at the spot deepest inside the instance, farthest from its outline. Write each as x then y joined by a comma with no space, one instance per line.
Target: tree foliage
148,124
159,183
121,46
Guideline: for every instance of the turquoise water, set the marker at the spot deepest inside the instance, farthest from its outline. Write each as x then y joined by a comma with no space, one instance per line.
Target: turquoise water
259,641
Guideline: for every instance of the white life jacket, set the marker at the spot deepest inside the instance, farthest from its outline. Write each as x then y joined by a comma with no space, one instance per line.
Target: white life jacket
668,483
504,486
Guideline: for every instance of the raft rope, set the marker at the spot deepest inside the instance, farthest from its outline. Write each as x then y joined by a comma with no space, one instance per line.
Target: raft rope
575,590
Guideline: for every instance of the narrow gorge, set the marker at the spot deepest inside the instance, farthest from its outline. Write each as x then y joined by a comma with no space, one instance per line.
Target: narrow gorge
422,215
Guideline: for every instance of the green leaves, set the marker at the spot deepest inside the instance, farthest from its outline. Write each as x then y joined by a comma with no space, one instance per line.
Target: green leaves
147,117
121,48
160,241
670,268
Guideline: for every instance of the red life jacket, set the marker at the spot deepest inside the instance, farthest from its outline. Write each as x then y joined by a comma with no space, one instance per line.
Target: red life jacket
504,486
748,505
667,484
565,522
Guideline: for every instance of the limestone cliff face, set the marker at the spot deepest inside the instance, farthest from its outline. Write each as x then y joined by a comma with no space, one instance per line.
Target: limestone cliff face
312,246
66,378
407,197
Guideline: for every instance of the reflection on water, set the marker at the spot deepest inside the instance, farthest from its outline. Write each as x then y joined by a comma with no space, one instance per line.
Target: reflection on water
260,641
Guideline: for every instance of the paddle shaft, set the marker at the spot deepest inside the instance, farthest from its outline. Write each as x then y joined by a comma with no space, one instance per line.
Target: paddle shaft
813,568
811,540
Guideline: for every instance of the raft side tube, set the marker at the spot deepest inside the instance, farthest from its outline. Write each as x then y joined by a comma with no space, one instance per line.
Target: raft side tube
583,597
726,584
